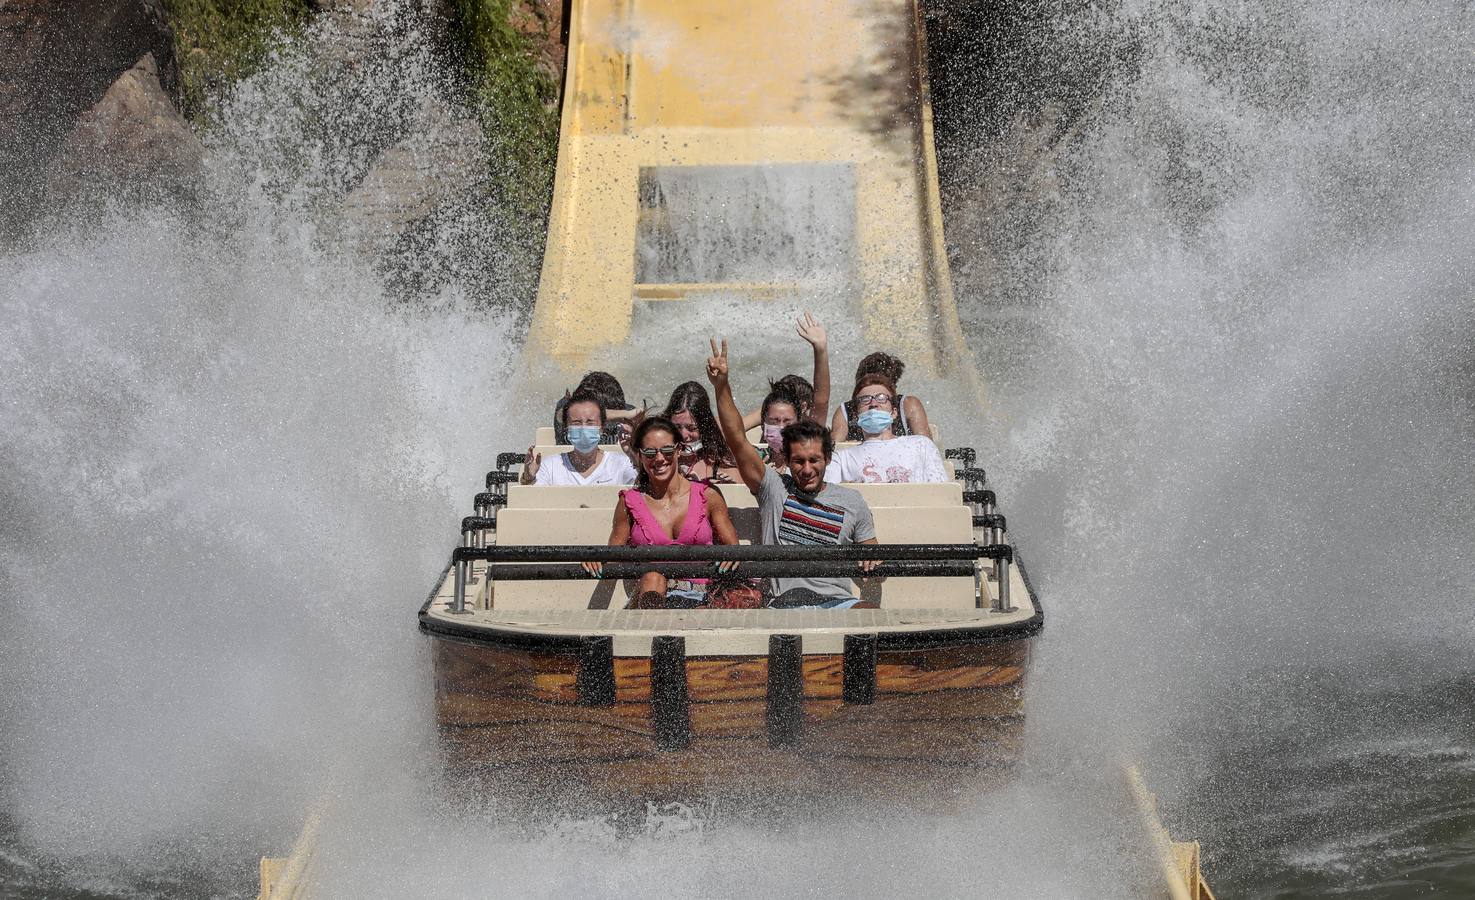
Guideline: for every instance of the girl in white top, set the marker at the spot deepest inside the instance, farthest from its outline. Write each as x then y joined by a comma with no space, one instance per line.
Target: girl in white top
884,456
587,463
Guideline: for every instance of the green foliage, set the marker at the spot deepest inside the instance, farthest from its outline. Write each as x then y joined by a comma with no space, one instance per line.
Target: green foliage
218,42
517,99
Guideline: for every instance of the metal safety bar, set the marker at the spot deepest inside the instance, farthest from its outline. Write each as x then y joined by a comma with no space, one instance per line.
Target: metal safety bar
912,568
486,503
473,531
498,479
966,454
759,561
973,477
729,552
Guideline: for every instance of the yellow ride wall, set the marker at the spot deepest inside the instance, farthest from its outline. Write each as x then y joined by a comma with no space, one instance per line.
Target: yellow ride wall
676,83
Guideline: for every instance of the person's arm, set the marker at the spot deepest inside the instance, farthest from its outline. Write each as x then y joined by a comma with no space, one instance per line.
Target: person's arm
723,531
752,419
865,533
839,425
812,331
749,463
916,416
619,535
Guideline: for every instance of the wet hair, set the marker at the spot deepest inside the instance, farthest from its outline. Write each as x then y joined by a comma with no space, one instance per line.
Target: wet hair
606,387
781,395
581,395
637,440
875,378
692,398
808,430
799,388
883,364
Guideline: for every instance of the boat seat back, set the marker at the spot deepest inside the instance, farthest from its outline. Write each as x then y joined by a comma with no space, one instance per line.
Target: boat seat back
603,496
545,434
520,527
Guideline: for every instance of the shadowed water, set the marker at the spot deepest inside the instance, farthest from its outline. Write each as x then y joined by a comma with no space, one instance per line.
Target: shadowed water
1235,445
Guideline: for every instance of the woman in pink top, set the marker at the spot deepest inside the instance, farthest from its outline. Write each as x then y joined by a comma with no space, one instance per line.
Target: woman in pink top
666,508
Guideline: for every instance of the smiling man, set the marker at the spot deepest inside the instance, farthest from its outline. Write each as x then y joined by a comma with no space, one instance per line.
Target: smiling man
798,507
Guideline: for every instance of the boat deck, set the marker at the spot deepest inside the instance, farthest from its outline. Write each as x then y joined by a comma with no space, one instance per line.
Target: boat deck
722,632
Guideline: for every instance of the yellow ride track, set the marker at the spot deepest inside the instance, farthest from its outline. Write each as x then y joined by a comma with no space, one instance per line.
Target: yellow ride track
736,153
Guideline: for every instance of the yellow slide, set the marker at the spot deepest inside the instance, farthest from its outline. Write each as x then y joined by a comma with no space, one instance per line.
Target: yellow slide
727,153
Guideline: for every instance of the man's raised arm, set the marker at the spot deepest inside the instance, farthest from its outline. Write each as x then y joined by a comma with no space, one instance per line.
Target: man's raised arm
749,464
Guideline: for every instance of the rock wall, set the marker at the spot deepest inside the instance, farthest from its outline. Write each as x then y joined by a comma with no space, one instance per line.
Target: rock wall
57,60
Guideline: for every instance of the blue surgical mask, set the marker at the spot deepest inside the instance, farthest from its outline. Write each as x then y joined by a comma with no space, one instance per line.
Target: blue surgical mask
584,437
874,421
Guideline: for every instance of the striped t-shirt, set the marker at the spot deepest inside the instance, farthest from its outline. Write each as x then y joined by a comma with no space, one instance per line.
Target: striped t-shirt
835,515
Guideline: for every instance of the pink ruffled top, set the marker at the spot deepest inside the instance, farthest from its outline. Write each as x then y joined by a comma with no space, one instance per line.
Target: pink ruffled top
645,529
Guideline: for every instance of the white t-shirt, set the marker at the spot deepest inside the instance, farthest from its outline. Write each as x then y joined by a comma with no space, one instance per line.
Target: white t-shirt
913,459
613,468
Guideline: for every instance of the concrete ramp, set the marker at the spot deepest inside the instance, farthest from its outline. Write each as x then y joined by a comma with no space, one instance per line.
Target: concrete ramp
734,154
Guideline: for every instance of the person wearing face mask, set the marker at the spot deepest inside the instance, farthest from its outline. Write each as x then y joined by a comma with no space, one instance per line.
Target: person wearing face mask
583,421
780,410
910,417
704,455
799,507
884,456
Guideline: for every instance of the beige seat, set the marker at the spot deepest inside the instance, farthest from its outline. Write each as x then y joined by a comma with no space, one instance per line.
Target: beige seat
519,526
546,435
603,496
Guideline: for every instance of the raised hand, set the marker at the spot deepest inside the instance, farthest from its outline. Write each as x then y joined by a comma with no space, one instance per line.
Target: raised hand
530,467
812,331
717,364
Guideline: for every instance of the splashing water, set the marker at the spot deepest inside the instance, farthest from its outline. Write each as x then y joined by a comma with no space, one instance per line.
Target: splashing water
1237,455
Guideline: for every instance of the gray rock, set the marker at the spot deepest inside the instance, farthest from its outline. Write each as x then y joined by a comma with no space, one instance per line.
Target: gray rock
57,59
134,134
439,159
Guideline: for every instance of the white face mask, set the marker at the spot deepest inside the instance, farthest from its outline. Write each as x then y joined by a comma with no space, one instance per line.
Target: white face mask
692,447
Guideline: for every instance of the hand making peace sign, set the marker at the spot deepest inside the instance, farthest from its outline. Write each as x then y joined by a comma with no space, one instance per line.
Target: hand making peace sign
717,364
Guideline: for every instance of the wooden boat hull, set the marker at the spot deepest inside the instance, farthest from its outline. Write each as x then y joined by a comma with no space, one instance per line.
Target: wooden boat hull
942,719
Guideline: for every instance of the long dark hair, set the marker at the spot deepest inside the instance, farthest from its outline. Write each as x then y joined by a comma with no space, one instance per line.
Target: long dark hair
800,389
691,397
649,424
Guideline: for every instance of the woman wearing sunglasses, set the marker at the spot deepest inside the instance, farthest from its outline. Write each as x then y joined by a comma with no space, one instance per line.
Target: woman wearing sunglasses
884,456
665,508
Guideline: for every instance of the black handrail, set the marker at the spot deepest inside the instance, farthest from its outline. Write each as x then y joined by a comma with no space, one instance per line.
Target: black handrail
498,477
502,553
966,454
972,475
507,460
932,568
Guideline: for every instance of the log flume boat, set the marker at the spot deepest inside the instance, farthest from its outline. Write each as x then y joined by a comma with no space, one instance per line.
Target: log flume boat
544,679
726,156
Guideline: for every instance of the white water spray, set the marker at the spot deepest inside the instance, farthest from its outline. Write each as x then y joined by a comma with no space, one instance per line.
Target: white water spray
235,462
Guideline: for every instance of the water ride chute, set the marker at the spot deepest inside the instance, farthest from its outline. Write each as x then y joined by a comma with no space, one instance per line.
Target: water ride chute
734,154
